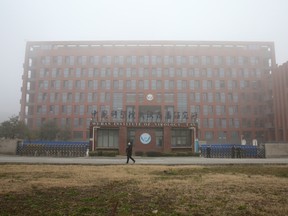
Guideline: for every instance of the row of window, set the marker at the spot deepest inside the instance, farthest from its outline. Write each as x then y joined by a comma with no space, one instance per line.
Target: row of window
110,138
146,115
144,72
231,123
106,97
150,60
144,84
204,124
223,136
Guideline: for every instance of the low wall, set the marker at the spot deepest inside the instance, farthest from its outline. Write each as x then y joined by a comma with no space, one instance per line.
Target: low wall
8,146
276,150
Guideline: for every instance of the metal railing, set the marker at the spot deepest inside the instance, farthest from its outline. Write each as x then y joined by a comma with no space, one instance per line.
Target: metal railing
53,148
232,151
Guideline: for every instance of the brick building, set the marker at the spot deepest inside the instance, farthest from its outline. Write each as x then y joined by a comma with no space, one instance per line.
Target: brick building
280,108
160,94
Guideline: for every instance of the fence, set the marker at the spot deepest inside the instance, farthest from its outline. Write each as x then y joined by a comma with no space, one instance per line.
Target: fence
52,148
232,151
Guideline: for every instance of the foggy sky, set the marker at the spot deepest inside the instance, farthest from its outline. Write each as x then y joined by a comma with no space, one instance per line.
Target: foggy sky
61,20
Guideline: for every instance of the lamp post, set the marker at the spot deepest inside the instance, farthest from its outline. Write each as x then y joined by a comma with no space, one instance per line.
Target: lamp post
195,123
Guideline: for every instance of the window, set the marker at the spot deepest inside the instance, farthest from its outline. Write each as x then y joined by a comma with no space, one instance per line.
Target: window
130,97
204,72
192,97
246,73
45,60
159,98
204,97
210,97
159,138
181,84
146,84
116,84
104,97
194,84
82,60
171,72
180,60
221,122
218,60
221,72
107,138
116,60
204,84
58,60
90,97
133,60
193,60
197,97
209,135
230,60
169,84
117,106
222,95
211,123
153,60
153,84
181,138
217,97
205,111
141,97
168,97
146,72
94,60
233,123
69,60
182,107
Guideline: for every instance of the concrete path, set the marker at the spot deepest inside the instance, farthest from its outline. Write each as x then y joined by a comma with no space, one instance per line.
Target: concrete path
139,160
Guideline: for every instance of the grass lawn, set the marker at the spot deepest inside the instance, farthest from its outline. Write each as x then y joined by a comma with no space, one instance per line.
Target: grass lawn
143,190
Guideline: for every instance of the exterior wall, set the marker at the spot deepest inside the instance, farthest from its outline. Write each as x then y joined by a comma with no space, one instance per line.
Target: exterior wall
225,83
280,92
141,128
276,150
8,146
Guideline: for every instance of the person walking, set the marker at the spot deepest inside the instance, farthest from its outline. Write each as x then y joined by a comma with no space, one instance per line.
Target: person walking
129,152
209,151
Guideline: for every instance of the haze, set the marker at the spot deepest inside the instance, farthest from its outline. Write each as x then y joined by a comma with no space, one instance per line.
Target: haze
61,20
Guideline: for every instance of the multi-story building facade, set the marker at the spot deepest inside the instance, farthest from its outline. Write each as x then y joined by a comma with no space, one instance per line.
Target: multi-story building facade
162,89
280,101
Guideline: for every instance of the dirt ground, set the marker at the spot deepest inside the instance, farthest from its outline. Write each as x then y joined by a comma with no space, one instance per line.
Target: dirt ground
143,190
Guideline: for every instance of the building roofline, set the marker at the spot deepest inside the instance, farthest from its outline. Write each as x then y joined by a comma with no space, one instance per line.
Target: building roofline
151,43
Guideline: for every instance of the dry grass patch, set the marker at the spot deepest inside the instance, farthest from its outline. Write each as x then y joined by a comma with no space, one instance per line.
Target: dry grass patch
143,190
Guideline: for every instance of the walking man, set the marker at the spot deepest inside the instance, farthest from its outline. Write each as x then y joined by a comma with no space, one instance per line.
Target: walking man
129,152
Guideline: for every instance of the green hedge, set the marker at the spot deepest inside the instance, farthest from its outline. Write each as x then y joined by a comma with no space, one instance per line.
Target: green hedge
153,154
167,154
113,153
139,153
105,153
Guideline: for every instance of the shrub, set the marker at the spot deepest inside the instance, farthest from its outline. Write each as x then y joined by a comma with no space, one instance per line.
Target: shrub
107,153
139,153
153,154
180,154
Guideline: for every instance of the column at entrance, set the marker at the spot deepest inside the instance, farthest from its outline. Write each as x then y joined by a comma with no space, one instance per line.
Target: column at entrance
193,138
122,140
93,137
166,139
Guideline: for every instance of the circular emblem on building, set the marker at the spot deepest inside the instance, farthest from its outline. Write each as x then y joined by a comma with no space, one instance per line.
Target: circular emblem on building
149,97
145,138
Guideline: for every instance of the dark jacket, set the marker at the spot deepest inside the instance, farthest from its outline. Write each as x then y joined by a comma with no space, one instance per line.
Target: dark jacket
129,149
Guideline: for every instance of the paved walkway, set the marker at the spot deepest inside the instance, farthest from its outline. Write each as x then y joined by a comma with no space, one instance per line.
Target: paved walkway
139,160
